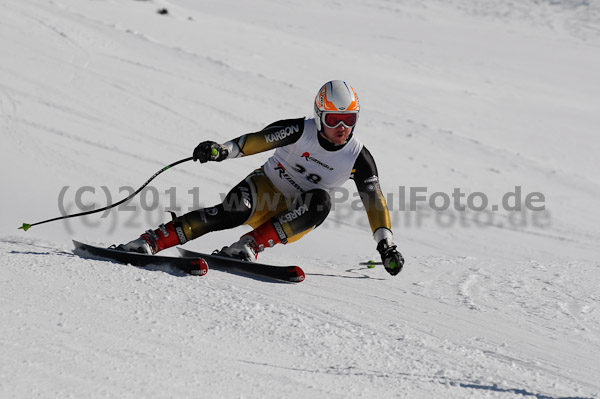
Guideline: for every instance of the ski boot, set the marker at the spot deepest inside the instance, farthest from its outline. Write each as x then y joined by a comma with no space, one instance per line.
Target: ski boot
251,244
153,241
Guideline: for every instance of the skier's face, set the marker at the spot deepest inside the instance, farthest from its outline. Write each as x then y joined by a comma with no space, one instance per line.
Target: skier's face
337,135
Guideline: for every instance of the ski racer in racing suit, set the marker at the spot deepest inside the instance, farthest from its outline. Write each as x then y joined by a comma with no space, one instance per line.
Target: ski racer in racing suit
288,196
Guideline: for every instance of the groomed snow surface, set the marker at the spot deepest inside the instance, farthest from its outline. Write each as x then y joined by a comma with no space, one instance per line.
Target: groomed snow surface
488,97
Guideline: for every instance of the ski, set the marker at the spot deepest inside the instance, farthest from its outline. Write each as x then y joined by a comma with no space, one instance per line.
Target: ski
292,274
192,265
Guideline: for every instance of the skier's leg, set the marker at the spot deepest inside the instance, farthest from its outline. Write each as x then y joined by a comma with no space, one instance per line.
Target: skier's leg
237,208
307,212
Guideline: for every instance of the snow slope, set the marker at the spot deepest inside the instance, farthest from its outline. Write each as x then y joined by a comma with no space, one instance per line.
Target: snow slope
481,96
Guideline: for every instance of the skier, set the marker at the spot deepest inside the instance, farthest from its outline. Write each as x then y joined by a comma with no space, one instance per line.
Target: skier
288,196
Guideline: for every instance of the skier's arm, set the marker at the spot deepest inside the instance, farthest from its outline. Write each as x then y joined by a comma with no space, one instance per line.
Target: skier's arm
277,134
366,178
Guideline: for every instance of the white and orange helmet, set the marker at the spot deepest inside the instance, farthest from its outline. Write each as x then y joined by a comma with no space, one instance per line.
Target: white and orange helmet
336,103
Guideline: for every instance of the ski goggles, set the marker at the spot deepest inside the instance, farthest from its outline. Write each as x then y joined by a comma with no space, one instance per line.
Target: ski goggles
332,120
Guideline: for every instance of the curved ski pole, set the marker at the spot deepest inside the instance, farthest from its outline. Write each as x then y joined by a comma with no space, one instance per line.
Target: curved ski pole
27,226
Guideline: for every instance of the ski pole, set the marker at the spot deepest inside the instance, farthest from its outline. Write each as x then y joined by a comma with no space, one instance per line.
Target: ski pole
370,264
27,226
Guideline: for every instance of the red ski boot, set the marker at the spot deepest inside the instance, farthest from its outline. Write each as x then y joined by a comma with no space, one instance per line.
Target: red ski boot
153,241
250,244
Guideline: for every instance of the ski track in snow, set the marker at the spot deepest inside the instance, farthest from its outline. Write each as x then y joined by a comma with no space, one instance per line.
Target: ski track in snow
481,96
439,332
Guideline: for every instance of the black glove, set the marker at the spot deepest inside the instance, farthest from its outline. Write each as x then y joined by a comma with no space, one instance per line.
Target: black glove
391,258
210,151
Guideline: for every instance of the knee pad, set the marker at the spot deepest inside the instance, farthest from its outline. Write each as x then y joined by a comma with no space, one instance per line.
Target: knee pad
238,202
319,204
235,210
309,210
